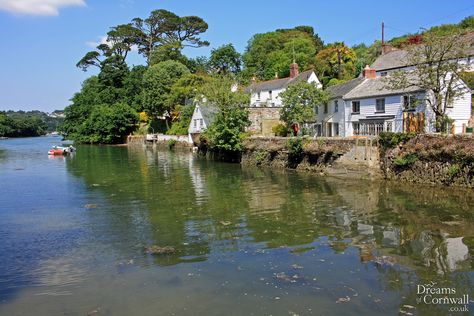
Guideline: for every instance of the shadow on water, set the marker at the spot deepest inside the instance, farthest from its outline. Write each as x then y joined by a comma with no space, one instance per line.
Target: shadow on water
353,235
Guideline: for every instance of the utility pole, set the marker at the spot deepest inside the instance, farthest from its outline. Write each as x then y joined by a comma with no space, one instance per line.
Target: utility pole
383,38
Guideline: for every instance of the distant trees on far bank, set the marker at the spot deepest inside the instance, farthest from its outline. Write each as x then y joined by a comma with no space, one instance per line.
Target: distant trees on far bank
27,124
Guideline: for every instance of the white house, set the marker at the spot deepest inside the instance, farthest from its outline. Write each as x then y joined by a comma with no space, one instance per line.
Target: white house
365,106
203,116
267,93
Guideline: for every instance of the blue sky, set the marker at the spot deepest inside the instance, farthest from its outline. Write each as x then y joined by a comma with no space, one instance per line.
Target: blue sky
43,39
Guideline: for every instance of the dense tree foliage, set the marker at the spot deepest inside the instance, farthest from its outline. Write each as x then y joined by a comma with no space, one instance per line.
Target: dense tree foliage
299,101
227,131
157,83
23,124
225,59
335,61
272,53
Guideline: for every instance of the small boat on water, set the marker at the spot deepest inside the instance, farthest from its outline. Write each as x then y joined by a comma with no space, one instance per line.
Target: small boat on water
60,150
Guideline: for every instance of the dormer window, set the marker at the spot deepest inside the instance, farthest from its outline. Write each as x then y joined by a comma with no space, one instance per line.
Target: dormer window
258,95
270,94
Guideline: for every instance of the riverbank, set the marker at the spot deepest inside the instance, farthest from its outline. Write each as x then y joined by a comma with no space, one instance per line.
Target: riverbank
425,159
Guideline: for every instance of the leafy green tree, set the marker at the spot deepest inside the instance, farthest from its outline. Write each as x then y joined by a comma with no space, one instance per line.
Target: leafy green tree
365,55
119,42
227,131
273,52
299,101
81,106
133,87
5,125
157,83
199,65
336,61
108,124
225,59
168,52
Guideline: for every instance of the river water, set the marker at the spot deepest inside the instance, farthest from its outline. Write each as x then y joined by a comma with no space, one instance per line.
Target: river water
73,234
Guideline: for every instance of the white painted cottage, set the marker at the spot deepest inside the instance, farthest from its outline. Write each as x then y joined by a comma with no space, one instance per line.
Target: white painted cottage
365,106
267,93
203,116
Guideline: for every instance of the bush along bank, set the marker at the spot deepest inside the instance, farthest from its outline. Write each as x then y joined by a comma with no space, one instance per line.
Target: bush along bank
295,153
428,159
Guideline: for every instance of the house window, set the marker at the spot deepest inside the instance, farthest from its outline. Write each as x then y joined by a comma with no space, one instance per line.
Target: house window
270,94
325,107
336,129
409,102
201,122
380,105
316,110
355,107
383,74
195,122
336,106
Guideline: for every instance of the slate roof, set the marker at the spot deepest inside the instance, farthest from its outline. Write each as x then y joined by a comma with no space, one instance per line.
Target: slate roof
390,60
376,87
208,112
398,58
339,90
277,84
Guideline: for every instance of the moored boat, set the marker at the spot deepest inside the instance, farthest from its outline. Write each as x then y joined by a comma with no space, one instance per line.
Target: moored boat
59,150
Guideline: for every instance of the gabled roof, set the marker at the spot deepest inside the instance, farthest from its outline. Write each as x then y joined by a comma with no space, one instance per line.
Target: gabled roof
208,112
339,90
376,87
277,84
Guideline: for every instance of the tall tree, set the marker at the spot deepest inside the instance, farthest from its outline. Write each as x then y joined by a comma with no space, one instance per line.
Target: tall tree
165,27
437,69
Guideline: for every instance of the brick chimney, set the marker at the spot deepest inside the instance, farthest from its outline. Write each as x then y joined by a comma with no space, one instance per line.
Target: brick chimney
369,73
293,70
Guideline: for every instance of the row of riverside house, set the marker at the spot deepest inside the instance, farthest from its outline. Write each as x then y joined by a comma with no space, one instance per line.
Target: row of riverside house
364,106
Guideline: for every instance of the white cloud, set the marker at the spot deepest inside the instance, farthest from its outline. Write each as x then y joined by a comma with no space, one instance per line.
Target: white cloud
38,7
94,44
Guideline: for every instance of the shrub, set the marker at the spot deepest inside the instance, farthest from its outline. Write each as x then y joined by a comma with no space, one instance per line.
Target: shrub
280,130
405,161
295,147
391,140
260,156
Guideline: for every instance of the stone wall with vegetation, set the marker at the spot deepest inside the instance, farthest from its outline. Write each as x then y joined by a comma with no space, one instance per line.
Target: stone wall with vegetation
294,153
428,159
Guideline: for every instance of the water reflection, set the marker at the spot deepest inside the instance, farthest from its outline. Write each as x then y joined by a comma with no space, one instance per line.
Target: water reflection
317,241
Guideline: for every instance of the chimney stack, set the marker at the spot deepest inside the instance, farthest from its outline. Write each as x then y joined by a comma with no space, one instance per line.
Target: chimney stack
276,75
369,73
294,70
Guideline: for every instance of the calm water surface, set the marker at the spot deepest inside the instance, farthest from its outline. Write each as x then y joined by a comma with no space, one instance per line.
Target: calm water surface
248,242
